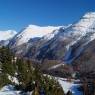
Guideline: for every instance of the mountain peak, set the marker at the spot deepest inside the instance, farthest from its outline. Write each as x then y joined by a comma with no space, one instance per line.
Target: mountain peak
32,26
32,31
5,35
89,15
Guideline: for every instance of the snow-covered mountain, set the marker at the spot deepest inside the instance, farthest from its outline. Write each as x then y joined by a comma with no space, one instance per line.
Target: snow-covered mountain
56,43
32,31
5,35
69,43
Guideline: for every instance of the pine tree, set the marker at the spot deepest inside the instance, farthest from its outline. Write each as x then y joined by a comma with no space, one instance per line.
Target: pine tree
30,78
4,80
6,57
24,74
6,65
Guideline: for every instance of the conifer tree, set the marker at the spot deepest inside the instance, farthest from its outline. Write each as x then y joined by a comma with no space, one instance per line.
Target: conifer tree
24,74
6,57
6,65
30,78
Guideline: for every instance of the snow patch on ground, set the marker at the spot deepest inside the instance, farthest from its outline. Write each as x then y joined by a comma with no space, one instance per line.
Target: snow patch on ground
66,85
9,90
13,79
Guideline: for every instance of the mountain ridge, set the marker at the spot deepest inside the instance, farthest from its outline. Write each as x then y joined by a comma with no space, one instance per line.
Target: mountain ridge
64,43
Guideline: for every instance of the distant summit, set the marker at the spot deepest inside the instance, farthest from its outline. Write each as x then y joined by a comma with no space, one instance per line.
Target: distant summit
5,35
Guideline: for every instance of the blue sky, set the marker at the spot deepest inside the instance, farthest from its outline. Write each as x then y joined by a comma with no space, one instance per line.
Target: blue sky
16,14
